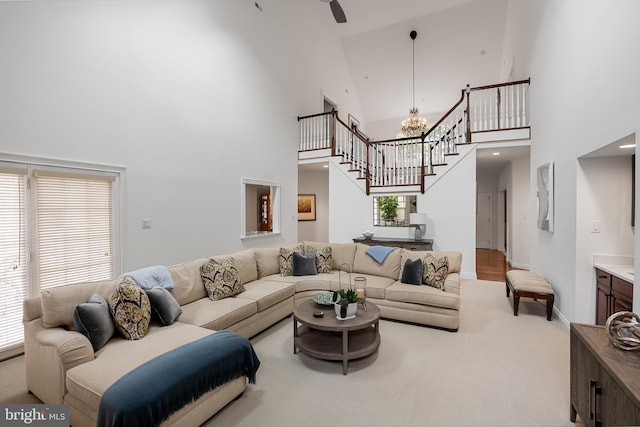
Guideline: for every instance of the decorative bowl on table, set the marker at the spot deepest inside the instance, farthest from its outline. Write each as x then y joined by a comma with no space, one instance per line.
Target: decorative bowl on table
324,299
367,234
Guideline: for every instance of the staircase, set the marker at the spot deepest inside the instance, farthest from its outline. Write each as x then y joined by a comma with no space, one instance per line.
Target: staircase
482,114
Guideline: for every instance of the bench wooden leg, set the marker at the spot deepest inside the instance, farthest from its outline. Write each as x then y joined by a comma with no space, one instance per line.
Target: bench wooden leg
507,286
516,302
550,299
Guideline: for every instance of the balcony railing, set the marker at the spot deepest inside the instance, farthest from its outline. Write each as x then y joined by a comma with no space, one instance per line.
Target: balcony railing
406,161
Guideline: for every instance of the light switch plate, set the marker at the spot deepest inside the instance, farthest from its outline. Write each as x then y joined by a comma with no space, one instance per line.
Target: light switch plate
595,226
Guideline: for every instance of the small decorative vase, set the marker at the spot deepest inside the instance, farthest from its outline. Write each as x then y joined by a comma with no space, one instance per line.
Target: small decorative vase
351,311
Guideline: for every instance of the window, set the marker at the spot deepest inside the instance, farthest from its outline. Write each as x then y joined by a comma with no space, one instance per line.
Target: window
260,208
57,226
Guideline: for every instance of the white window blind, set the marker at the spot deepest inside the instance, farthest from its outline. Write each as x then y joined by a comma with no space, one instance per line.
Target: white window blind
74,228
56,228
13,255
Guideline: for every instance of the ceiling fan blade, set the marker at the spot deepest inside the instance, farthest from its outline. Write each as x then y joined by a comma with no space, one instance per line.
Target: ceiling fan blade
338,13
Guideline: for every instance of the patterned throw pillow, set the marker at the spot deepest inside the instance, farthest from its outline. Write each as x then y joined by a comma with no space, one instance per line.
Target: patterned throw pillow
221,280
286,259
435,271
324,260
130,308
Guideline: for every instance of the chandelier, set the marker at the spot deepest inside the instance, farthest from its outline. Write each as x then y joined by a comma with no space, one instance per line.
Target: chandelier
414,125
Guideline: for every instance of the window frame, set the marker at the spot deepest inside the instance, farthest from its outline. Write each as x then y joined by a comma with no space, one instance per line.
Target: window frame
117,176
275,207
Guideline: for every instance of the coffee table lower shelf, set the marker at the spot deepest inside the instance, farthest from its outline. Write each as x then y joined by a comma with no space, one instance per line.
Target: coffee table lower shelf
345,345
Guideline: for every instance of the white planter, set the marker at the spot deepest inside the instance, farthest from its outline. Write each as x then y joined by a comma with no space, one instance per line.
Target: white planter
351,310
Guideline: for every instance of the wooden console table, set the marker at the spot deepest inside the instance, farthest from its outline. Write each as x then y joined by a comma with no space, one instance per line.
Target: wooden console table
398,242
604,379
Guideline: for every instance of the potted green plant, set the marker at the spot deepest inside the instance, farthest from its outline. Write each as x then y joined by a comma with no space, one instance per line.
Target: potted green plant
346,302
388,206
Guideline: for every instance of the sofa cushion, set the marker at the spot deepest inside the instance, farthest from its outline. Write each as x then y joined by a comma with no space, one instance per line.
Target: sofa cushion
164,306
218,315
455,258
130,308
425,295
245,262
324,260
435,271
58,304
221,280
343,253
88,381
188,281
93,320
376,285
266,293
304,264
363,263
412,272
267,261
285,259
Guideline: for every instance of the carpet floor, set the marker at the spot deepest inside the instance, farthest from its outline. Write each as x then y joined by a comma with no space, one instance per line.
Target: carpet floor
497,370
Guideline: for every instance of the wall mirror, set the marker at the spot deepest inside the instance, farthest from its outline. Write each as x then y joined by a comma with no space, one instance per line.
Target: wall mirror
260,208
393,211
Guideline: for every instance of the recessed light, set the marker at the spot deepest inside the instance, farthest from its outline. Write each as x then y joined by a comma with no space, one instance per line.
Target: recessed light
325,166
628,146
495,154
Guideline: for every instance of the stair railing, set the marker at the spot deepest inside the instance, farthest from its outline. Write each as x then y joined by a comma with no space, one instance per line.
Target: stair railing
406,161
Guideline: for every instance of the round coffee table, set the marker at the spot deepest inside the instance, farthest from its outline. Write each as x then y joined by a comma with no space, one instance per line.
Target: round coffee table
328,338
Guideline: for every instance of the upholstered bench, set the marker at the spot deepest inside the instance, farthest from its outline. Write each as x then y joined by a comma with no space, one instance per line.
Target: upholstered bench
530,285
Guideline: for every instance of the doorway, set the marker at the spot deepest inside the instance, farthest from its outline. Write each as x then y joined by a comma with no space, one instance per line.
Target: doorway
502,221
484,226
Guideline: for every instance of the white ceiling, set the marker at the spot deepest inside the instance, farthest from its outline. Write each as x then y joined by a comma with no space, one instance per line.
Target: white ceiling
459,42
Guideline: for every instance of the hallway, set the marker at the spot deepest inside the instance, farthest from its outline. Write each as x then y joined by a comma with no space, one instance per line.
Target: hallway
491,265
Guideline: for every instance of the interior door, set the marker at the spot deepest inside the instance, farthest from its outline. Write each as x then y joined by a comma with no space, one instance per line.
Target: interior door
484,228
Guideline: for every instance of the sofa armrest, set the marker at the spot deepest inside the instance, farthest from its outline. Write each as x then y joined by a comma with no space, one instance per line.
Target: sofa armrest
49,353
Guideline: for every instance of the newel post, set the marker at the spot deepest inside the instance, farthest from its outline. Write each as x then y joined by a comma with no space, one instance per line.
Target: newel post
366,169
334,116
467,90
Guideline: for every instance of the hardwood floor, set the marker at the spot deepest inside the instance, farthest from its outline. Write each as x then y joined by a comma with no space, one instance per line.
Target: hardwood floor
491,265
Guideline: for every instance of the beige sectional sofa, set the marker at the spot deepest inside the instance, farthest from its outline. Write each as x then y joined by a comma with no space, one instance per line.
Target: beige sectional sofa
62,367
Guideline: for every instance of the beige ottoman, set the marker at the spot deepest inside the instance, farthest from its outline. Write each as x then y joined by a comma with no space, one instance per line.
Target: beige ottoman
531,285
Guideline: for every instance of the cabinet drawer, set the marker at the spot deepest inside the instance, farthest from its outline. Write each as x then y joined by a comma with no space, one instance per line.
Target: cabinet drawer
622,286
603,277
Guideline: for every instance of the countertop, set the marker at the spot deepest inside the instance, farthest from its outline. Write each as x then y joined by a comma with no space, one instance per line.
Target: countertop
616,265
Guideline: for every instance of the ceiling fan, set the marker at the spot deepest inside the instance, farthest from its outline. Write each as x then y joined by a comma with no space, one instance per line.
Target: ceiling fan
337,11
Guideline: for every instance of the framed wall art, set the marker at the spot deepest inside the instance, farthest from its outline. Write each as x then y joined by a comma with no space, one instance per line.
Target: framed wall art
544,178
306,207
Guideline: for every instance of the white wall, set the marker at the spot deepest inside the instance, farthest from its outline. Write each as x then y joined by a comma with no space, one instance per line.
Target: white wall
583,96
315,183
520,213
514,178
603,194
487,181
449,205
188,95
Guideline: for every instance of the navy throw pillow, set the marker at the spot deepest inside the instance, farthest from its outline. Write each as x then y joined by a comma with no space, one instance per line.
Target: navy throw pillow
304,265
164,306
93,320
412,273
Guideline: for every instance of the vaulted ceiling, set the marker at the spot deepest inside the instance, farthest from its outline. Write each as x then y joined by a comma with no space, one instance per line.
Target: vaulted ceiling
458,42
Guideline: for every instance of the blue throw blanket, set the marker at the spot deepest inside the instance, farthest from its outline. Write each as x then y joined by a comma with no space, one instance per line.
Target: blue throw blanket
148,277
379,253
149,394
